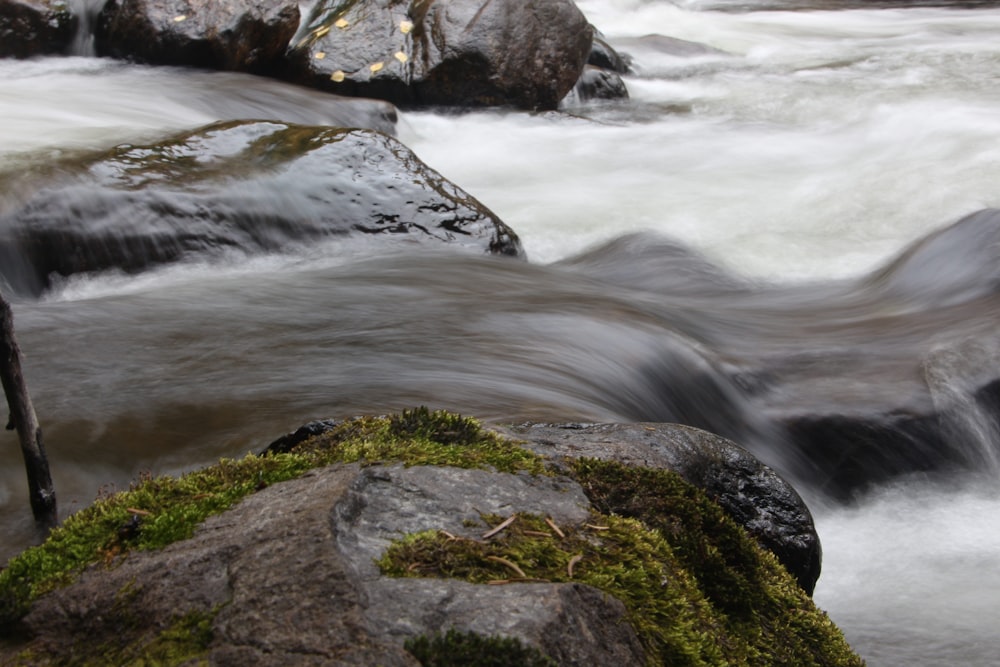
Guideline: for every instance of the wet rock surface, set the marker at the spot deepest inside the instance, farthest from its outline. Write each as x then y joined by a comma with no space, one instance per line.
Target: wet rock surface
246,36
465,53
245,187
35,27
599,84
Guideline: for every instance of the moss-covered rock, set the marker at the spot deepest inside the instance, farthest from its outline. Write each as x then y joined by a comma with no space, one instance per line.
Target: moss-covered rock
271,560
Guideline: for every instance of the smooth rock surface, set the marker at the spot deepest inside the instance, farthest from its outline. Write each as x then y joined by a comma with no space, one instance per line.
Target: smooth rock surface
245,187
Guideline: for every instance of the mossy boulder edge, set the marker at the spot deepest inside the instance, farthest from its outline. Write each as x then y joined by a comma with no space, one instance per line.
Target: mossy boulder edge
286,572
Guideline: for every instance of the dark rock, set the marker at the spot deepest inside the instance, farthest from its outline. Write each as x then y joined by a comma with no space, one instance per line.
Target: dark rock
244,36
35,27
850,453
605,56
238,186
287,442
466,53
599,84
752,493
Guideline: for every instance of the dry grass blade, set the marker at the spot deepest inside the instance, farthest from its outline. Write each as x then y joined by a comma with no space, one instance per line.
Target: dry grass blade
537,533
572,563
507,563
503,525
555,528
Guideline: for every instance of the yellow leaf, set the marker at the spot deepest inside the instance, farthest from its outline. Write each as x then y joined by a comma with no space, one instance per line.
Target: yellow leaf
322,31
341,23
178,19
337,76
401,57
374,67
320,55
405,26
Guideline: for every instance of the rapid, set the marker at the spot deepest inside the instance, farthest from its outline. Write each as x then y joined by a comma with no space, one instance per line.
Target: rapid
734,225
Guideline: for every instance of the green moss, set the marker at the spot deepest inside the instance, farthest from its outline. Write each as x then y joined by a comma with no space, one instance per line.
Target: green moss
184,642
669,564
157,511
467,648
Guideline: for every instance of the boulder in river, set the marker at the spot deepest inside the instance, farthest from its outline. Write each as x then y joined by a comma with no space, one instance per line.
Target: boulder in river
464,53
242,186
243,35
35,27
393,540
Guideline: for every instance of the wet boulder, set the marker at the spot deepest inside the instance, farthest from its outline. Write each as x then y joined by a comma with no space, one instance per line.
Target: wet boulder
245,36
35,27
239,187
465,53
601,77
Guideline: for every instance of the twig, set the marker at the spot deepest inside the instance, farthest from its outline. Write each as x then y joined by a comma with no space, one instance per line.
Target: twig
23,419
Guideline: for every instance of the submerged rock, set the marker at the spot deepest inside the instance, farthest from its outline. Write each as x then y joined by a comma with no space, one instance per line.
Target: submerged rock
35,27
247,187
242,36
466,53
599,84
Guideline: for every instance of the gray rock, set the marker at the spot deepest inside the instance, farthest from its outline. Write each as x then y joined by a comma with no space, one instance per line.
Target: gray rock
573,624
292,568
290,594
243,36
248,187
468,53
35,27
751,492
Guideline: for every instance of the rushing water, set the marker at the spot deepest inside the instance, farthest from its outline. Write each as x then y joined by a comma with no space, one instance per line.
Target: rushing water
764,180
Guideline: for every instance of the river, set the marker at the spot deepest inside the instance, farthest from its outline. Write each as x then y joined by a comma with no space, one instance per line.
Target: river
727,216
